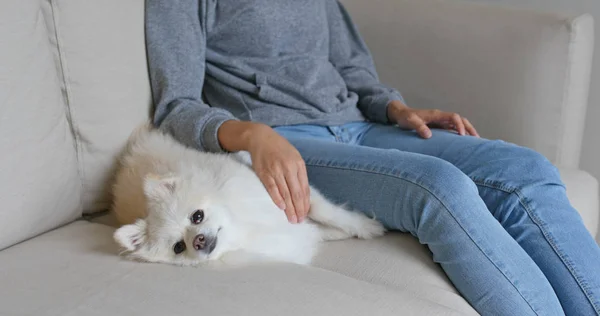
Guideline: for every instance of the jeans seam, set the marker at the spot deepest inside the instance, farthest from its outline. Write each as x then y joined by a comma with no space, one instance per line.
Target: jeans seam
315,164
540,224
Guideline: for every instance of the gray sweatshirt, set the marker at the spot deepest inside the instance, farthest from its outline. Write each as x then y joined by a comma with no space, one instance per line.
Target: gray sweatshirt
277,62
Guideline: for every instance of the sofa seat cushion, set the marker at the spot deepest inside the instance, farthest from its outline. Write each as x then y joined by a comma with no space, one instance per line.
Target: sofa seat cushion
75,270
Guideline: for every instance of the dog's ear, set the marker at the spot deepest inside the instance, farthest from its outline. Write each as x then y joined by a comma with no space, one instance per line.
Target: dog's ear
156,187
131,236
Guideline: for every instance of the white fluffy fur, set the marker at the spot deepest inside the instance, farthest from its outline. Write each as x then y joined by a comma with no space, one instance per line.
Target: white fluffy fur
160,183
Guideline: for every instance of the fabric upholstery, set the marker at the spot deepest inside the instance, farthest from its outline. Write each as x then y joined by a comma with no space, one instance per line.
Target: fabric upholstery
522,76
582,191
82,275
39,184
106,83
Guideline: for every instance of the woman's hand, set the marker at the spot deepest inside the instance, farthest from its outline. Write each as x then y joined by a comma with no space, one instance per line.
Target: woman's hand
422,120
276,162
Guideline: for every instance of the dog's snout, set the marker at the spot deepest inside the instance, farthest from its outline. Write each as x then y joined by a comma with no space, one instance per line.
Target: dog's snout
205,243
199,242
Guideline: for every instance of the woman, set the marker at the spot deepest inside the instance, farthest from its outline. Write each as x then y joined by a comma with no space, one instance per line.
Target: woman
292,82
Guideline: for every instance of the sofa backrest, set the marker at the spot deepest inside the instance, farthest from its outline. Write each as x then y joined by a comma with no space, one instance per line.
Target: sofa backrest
101,45
73,85
39,176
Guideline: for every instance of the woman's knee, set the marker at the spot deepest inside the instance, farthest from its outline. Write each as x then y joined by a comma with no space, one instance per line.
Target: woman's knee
523,165
539,165
439,191
443,179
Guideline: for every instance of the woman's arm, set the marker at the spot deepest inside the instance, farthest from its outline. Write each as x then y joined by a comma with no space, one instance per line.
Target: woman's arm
352,58
175,41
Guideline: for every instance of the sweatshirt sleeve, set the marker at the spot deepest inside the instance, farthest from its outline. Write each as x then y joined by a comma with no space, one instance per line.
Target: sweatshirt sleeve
176,41
352,58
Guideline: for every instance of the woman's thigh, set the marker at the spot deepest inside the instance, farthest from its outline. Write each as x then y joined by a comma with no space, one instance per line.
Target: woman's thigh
481,159
380,182
436,202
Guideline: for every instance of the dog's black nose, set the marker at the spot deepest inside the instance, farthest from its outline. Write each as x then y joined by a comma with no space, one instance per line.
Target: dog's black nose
199,242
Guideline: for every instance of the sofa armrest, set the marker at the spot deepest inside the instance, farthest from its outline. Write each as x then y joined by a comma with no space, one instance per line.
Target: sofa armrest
582,191
521,76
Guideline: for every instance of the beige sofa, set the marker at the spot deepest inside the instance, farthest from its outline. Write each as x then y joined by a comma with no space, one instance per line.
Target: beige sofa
73,84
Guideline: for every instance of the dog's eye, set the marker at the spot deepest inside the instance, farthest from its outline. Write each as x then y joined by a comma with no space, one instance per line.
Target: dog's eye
179,247
197,217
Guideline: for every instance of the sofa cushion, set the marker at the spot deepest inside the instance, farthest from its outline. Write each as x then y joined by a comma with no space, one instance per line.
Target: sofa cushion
39,184
75,270
106,79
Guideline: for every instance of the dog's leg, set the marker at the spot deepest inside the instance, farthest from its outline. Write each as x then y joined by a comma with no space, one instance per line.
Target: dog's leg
352,224
328,233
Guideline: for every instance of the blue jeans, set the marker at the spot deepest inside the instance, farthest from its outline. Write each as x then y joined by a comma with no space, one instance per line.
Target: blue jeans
494,215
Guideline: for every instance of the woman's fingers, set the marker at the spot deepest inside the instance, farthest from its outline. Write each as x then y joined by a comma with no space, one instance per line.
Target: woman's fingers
303,180
290,211
296,194
469,127
273,191
451,121
459,126
290,192
282,171
422,120
415,122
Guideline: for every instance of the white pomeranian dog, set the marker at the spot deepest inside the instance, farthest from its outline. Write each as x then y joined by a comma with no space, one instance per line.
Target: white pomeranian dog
180,206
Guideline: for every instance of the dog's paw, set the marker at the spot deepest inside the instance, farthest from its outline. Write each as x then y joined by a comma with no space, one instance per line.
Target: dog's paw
369,228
